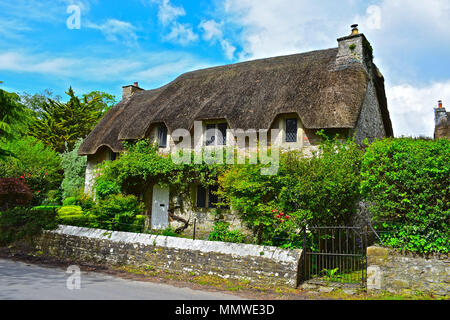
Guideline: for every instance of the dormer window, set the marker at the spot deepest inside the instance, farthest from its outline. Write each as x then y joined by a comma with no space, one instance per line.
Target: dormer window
291,130
216,134
162,136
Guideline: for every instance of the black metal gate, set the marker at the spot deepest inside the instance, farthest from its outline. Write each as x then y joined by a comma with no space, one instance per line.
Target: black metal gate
335,254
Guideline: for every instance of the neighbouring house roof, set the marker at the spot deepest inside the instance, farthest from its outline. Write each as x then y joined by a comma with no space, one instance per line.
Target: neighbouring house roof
249,95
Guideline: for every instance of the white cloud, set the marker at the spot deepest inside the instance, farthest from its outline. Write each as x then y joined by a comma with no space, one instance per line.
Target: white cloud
278,27
150,69
168,13
412,108
19,62
372,19
116,30
212,30
228,48
181,33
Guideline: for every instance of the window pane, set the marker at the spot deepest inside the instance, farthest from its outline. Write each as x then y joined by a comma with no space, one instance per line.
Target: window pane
210,134
212,197
222,139
162,136
201,197
291,130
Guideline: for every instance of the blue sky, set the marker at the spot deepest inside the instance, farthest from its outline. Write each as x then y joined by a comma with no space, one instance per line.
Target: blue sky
154,41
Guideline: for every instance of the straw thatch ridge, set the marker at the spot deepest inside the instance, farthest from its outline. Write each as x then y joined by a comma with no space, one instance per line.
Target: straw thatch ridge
249,95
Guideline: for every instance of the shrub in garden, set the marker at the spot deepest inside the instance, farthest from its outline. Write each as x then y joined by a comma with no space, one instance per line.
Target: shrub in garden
69,201
14,192
322,190
221,232
72,215
53,197
46,208
76,220
21,223
116,212
407,184
84,201
105,187
74,167
38,165
70,210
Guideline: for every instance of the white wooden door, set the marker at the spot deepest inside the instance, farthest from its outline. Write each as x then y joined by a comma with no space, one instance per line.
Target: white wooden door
160,207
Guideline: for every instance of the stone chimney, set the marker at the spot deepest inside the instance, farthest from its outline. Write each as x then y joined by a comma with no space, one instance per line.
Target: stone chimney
439,113
354,48
128,91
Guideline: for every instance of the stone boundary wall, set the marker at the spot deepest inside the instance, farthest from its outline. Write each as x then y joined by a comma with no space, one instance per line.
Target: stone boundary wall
258,264
392,271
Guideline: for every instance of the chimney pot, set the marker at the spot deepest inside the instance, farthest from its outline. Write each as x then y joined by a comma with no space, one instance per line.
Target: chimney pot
354,29
136,84
440,104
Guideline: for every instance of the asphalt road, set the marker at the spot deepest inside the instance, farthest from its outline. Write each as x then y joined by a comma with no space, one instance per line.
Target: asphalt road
21,281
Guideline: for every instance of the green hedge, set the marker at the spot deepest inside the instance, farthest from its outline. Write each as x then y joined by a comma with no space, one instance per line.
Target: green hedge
77,220
70,211
22,223
407,183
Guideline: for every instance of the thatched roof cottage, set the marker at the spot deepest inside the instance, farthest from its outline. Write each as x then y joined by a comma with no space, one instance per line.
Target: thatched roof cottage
339,90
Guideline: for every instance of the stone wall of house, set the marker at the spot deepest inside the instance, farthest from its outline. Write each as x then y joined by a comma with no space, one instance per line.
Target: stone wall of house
92,161
205,220
395,272
370,123
258,264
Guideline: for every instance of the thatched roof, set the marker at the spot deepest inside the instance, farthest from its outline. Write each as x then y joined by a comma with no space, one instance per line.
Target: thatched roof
248,95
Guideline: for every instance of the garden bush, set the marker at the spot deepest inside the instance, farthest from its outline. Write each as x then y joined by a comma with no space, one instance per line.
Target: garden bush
84,201
319,190
76,220
70,201
14,192
407,185
46,208
116,212
36,164
221,232
104,187
70,211
21,223
74,167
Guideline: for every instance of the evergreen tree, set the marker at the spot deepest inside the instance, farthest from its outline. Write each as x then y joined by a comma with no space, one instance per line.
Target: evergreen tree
61,124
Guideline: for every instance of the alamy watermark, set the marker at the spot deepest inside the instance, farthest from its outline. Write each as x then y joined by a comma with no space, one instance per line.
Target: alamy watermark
233,146
74,20
74,280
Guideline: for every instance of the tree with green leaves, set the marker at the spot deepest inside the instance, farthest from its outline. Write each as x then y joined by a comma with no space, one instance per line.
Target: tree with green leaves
36,101
34,163
60,125
74,167
13,118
